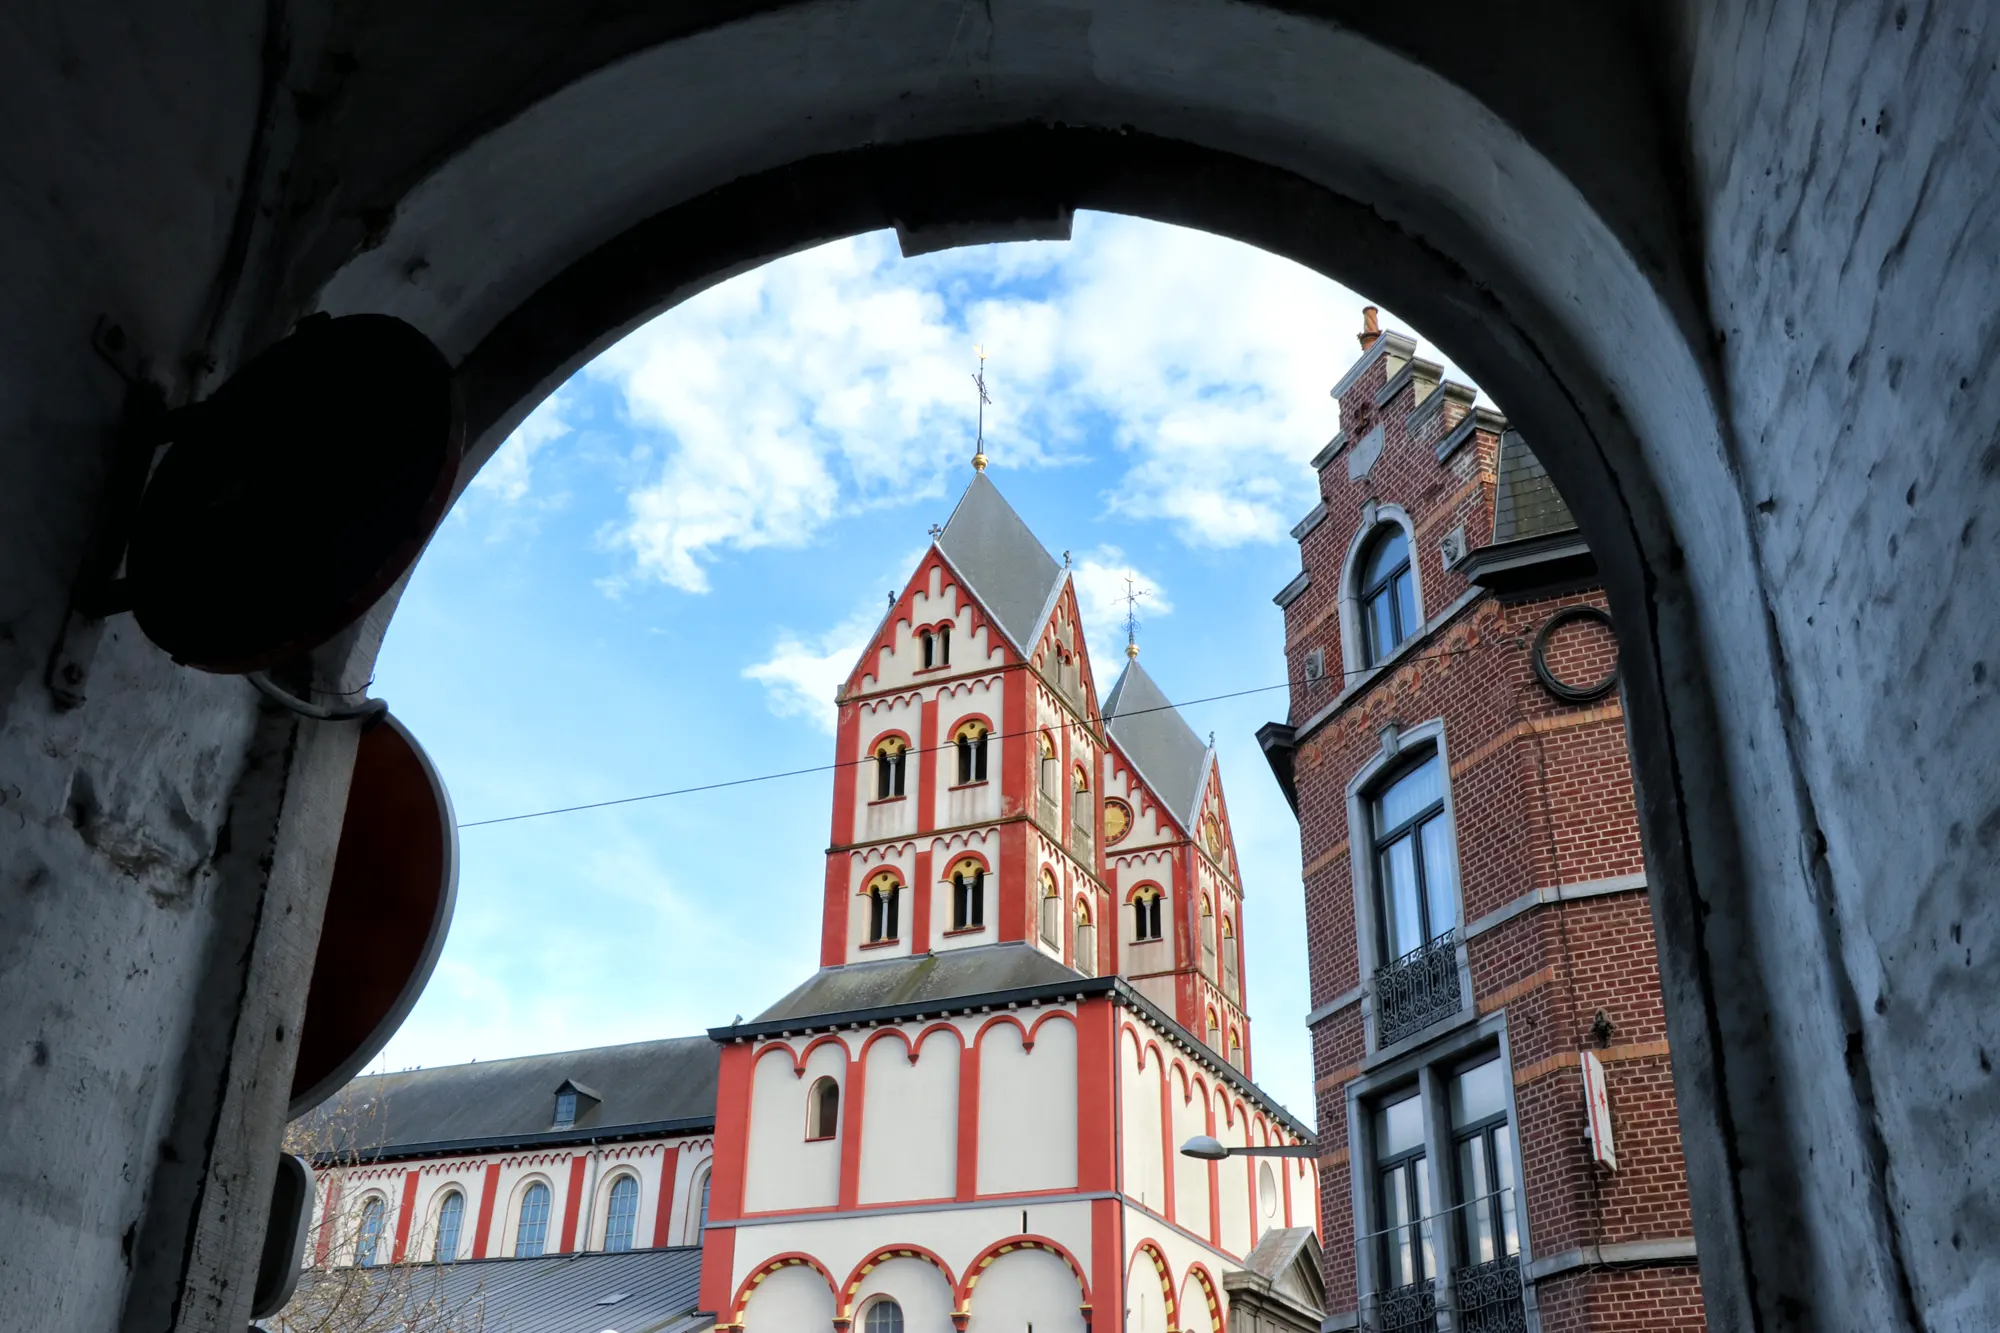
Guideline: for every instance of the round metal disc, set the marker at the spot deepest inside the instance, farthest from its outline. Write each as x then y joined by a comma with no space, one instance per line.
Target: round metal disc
296,496
395,879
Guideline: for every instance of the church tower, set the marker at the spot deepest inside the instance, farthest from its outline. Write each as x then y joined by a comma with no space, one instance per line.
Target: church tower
985,797
1029,996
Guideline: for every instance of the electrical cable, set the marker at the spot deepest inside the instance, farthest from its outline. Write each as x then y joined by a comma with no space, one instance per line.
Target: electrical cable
936,749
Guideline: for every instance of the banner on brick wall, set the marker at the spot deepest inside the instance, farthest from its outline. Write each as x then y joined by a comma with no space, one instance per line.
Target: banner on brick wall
1597,1109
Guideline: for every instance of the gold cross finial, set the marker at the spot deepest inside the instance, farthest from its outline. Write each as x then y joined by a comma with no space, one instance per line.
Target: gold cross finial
979,378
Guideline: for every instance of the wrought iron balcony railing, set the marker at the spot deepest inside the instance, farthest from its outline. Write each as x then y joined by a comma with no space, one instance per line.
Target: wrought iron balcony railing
1417,990
1410,1309
1488,1297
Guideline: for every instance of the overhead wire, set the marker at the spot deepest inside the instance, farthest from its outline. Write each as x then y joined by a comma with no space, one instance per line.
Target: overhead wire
839,764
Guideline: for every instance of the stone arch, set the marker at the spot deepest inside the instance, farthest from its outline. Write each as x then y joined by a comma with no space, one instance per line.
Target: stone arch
1149,1253
882,1255
984,1260
768,1269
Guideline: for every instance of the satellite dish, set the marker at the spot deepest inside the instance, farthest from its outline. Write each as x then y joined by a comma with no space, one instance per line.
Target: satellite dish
296,496
395,878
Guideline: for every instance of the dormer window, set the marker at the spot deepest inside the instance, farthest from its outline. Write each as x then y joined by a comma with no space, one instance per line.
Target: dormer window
572,1100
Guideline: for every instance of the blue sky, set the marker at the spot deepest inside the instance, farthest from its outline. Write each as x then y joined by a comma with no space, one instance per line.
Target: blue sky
662,576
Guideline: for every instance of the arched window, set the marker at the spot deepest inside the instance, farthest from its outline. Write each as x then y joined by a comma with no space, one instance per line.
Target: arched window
1387,592
1051,910
1207,937
1229,961
531,1234
1214,1031
930,649
373,1214
1051,774
1235,1048
822,1110
970,738
1085,960
890,755
944,645
451,1220
1416,873
699,1222
968,895
884,1316
1146,914
883,893
621,1215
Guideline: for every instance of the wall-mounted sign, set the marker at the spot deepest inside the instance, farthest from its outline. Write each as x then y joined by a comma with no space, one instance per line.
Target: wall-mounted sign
395,877
1597,1109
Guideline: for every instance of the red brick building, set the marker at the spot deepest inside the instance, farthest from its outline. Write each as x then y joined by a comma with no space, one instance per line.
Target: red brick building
1481,939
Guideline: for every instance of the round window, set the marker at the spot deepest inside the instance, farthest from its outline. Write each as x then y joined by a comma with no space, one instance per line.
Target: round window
1267,1190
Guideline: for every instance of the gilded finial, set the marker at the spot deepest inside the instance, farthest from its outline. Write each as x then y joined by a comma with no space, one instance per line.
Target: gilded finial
979,443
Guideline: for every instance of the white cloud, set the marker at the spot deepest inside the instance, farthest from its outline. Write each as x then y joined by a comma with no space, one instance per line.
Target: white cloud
1100,593
506,475
837,380
802,674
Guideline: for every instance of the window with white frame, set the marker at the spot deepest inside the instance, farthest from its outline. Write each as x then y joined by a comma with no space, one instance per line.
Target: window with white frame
621,1213
1386,592
1416,869
531,1232
451,1220
368,1240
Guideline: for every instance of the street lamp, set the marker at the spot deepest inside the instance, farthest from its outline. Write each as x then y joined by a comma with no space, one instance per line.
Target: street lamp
1213,1150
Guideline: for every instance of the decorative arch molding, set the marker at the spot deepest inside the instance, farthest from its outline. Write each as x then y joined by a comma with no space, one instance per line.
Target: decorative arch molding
984,1260
1150,1249
776,1264
954,859
983,719
1198,1273
892,702
852,1287
1373,517
913,1045
891,734
962,842
1132,894
1143,1042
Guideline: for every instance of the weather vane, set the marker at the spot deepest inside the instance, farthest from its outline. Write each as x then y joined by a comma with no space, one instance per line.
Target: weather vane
979,445
1131,599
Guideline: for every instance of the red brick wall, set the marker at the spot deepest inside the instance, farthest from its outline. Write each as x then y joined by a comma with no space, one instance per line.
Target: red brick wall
1542,796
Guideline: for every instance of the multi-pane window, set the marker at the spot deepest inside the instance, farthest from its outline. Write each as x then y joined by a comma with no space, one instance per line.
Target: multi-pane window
970,741
531,1235
937,647
884,1316
621,1214
968,895
1146,914
884,893
1483,1146
1407,1248
565,1108
701,1223
890,757
373,1214
451,1219
1388,595
1416,874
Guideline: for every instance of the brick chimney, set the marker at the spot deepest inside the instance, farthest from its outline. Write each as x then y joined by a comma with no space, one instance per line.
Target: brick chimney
1370,331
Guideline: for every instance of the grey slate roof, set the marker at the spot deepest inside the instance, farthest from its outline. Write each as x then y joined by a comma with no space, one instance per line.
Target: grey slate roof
1159,742
558,1293
1525,500
1001,561
644,1083
926,979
